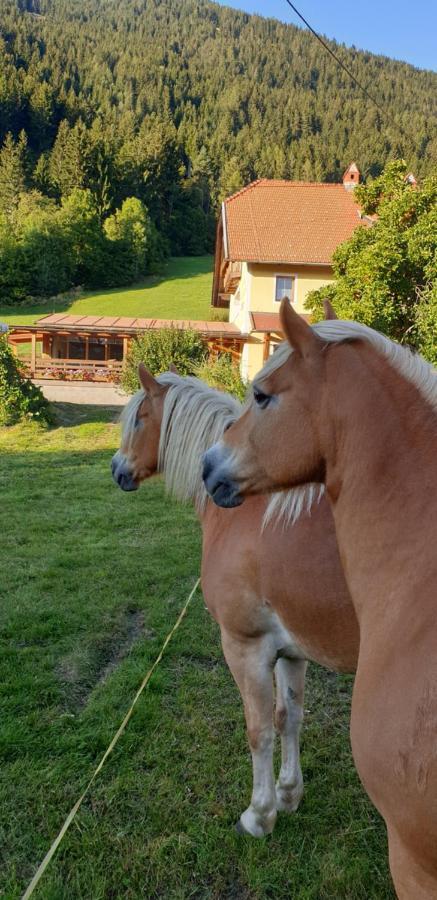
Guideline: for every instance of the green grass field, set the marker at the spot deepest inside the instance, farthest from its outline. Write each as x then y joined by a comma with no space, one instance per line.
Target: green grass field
181,291
91,581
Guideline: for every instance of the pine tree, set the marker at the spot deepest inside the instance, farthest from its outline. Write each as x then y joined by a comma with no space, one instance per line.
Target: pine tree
12,173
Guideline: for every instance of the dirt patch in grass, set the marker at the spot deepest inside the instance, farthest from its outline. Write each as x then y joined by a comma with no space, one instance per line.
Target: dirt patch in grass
89,667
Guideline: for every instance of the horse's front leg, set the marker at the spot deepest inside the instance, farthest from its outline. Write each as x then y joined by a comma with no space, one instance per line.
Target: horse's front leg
251,663
290,687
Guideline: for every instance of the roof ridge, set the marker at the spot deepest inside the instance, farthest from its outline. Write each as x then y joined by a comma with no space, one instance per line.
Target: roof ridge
244,189
284,182
287,181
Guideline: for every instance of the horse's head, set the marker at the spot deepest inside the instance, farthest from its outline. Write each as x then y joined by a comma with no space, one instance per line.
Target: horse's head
137,458
277,442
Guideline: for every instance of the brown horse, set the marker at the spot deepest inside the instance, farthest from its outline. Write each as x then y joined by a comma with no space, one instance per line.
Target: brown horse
343,405
277,592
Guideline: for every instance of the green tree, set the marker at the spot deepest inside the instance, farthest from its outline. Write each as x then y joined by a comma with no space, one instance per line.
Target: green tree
223,374
158,350
134,241
12,173
70,158
80,224
19,397
46,264
384,273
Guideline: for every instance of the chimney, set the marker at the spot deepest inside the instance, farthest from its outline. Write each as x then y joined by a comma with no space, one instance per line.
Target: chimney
351,177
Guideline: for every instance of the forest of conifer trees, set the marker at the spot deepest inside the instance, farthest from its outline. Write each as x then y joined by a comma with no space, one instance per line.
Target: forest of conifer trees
168,106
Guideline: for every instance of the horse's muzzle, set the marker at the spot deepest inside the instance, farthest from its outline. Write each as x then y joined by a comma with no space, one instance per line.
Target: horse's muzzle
122,476
222,490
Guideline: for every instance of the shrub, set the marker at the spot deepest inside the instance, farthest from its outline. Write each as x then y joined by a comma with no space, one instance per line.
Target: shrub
158,349
384,273
223,373
19,398
426,324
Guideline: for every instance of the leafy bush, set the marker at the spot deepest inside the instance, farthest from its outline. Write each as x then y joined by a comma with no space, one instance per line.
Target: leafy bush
223,373
158,349
384,273
19,398
426,322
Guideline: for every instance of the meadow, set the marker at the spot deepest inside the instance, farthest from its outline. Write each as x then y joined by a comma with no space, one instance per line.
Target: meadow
182,290
91,582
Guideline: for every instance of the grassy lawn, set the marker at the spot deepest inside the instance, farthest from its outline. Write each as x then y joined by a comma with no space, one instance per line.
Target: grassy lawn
181,291
91,581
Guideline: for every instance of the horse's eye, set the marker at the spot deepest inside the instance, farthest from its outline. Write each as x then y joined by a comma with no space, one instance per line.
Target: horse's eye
261,400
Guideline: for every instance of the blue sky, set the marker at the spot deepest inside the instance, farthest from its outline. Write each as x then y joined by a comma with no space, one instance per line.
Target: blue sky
406,31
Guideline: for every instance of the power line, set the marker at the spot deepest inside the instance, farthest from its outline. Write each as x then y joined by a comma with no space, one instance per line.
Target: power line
343,66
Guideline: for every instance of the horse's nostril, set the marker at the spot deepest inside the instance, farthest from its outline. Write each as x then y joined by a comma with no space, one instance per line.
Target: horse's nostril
207,468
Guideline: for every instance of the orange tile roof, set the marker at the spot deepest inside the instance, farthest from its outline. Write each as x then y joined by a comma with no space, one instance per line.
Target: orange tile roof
288,222
60,321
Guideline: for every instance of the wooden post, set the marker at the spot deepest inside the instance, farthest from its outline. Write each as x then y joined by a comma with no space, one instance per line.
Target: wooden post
87,347
33,356
266,346
125,347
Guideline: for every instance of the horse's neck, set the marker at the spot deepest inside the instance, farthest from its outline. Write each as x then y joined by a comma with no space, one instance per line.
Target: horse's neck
382,481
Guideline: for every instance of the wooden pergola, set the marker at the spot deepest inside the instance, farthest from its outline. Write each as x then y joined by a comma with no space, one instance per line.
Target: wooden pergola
101,343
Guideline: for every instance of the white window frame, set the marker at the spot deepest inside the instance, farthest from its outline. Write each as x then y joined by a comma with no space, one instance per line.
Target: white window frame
294,286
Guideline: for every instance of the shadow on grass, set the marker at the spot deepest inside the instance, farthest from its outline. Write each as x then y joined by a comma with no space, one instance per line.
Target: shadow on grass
68,415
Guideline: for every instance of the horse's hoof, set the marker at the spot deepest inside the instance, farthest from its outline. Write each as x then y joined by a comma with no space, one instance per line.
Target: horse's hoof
256,829
288,800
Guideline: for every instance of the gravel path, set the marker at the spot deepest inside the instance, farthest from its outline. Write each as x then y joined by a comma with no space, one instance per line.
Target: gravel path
91,393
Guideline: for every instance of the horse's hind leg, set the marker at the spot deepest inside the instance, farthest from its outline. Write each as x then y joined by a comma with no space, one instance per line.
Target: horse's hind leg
251,663
290,686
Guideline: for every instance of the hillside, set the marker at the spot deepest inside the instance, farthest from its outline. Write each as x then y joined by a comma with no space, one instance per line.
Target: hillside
247,96
182,290
175,103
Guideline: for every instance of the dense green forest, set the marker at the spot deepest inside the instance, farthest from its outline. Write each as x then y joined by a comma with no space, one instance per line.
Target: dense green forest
176,103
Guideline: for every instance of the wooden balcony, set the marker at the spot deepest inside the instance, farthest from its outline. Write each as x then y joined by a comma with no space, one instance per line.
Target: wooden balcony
232,277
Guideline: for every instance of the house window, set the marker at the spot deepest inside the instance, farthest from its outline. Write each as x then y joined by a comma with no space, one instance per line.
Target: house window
284,288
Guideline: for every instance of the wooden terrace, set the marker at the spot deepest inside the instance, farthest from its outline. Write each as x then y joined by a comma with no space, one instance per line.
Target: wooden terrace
93,348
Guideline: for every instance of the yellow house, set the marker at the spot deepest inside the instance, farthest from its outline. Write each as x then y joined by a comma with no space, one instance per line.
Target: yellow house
276,239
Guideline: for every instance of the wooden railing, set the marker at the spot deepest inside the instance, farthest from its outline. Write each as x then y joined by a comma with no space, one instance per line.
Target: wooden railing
75,369
232,277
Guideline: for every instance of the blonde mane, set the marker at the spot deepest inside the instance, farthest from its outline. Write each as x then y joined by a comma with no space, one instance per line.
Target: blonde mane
195,416
408,364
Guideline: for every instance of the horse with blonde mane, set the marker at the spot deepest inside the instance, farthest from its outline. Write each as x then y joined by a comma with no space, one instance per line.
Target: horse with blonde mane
271,576
344,406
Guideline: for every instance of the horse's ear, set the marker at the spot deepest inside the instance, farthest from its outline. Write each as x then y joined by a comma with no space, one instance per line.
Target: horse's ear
329,310
148,382
297,331
172,368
